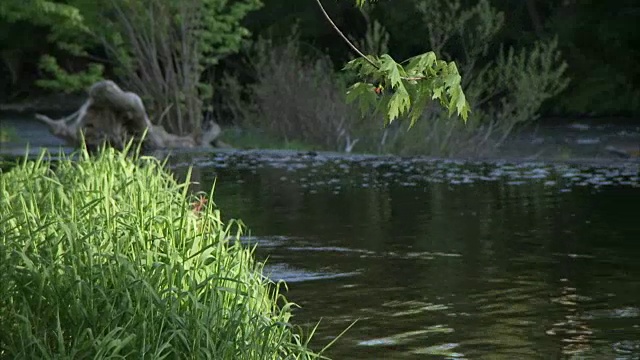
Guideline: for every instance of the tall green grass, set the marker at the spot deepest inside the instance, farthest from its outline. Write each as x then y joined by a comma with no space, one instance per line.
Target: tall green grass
104,257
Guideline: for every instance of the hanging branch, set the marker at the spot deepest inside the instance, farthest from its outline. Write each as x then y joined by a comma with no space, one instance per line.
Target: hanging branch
410,95
354,48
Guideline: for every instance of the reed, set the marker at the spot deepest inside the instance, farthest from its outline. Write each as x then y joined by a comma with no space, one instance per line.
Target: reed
106,256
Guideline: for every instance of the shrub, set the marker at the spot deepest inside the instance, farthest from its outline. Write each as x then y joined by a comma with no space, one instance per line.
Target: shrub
293,97
104,257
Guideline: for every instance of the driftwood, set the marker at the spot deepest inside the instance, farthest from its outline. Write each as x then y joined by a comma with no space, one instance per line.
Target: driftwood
113,116
627,152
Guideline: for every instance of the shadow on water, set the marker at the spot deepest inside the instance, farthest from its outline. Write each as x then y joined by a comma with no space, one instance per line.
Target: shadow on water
444,259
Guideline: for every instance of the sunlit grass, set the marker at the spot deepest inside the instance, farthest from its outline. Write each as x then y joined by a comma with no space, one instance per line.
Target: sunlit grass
105,257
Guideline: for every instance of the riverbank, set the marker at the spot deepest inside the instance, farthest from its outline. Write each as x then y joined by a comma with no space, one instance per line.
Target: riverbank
551,139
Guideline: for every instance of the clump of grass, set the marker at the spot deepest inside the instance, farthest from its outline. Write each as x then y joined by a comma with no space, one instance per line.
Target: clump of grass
107,257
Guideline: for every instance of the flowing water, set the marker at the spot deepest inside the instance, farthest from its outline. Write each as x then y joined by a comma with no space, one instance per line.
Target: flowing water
442,259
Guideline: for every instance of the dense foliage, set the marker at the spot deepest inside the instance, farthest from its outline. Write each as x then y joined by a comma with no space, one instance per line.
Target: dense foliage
160,49
597,39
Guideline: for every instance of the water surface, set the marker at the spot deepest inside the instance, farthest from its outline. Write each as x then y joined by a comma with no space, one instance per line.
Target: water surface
444,259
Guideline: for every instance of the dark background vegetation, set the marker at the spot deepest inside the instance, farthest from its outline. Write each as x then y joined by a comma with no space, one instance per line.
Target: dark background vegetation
599,40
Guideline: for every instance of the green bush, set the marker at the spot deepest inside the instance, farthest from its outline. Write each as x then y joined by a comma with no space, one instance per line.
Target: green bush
104,256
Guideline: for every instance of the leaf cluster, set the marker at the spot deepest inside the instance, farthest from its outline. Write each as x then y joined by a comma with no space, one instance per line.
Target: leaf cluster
411,87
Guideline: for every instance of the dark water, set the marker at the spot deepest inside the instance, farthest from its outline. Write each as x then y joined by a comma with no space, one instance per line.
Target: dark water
442,259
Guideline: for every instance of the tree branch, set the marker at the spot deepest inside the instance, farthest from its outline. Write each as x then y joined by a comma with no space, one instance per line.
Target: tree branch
360,53
335,27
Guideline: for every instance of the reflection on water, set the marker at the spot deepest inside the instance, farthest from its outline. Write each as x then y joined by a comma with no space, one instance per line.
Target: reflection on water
445,259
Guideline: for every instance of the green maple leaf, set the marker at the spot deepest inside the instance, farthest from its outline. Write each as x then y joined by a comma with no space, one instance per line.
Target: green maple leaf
399,104
392,71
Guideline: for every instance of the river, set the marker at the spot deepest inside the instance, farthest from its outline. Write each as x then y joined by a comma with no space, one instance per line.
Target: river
438,258
447,259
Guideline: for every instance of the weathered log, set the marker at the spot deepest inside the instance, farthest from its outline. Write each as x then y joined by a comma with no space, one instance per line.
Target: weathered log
113,116
627,152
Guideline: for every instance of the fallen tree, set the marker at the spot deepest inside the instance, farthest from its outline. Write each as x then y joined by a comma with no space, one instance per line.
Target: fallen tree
113,116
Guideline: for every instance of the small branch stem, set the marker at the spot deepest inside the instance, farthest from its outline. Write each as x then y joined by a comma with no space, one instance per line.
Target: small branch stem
354,48
335,27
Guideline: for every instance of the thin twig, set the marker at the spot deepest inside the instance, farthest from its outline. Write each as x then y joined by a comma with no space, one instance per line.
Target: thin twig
360,53
335,27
